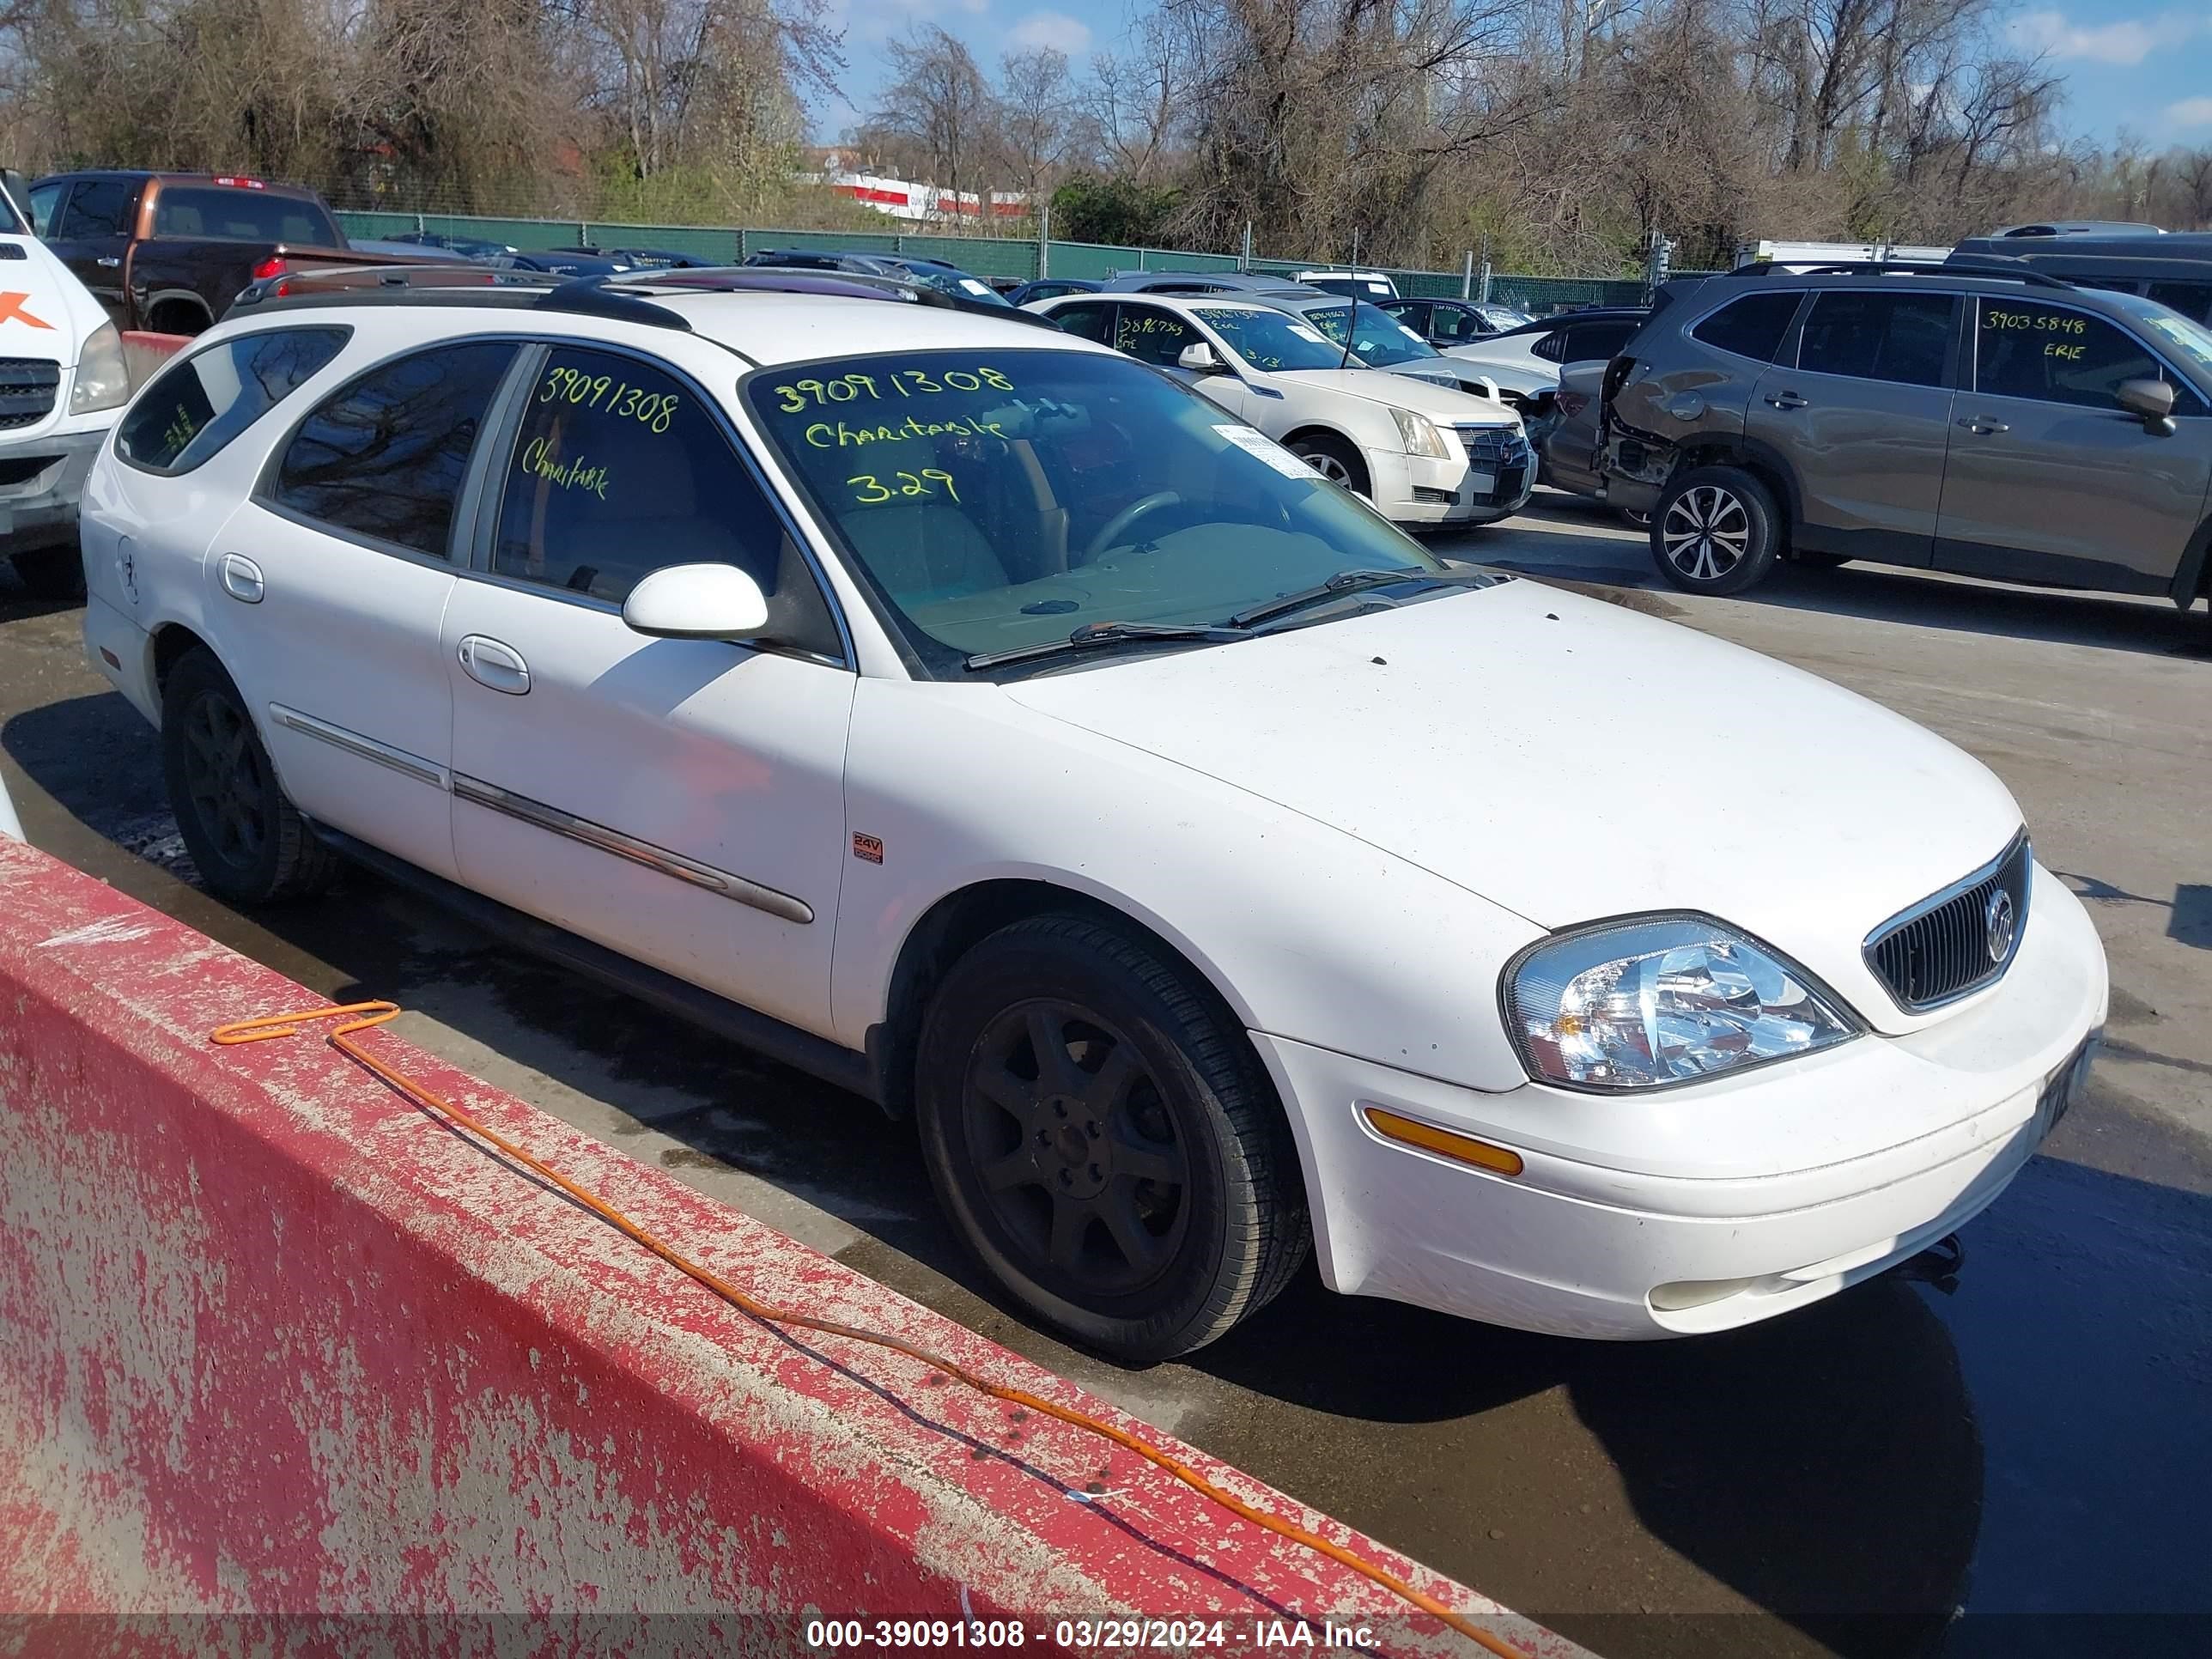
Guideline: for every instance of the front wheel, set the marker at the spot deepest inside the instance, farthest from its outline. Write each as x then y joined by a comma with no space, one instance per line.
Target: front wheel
1716,530
1335,459
1104,1140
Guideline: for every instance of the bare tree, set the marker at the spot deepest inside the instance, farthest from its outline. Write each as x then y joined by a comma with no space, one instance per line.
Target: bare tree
937,103
1034,118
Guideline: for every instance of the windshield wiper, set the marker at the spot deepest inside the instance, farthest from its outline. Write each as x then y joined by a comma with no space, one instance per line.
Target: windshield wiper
1091,634
1347,581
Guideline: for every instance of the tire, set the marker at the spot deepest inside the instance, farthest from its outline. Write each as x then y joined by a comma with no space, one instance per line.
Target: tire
1334,459
1153,1199
1724,529
251,844
1634,519
51,573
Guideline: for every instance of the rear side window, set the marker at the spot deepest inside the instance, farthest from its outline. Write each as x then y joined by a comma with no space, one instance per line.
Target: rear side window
98,206
1751,327
193,410
384,456
1899,338
2056,354
1591,341
231,214
1087,321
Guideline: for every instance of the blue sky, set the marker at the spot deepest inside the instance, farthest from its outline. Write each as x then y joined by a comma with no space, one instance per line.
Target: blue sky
2145,68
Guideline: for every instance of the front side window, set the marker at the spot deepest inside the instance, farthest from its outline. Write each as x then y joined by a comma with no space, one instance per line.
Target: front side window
1750,326
1270,340
997,499
383,457
233,214
1901,338
193,410
98,206
1456,325
620,470
1378,339
2055,354
1152,336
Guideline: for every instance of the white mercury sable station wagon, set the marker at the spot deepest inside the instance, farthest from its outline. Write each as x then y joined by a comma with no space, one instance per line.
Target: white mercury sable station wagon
988,723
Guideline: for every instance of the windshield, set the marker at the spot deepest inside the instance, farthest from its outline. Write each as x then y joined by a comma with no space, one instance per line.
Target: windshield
1379,339
1271,340
2189,341
957,282
997,499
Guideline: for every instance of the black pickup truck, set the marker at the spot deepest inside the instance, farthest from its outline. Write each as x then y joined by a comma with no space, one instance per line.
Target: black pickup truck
168,252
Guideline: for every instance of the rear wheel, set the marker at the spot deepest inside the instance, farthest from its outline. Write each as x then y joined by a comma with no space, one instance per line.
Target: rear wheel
250,843
1716,531
1104,1140
51,573
1334,459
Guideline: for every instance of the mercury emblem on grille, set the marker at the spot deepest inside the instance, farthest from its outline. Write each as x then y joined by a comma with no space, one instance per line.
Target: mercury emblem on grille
1997,925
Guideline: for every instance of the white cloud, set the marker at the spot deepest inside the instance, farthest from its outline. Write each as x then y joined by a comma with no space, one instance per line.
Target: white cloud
2190,112
1055,29
2126,42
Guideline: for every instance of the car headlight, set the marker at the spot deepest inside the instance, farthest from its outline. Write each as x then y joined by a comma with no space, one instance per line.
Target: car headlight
1419,433
1639,1004
102,380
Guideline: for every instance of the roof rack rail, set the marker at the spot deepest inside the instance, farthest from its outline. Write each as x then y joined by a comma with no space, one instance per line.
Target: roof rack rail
2000,269
589,297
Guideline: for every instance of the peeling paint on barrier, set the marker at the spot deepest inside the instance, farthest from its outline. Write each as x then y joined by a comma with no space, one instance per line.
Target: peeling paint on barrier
275,1346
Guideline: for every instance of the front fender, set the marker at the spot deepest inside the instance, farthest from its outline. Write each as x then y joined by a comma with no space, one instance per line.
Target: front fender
1305,931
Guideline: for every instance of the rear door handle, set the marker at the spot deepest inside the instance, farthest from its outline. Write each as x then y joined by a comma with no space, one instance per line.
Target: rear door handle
241,578
1983,426
1787,400
490,663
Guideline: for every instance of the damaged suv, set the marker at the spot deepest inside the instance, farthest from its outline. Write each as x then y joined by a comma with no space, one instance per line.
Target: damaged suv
2003,425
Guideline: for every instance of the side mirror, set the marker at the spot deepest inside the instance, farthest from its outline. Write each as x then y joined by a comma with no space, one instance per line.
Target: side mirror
1201,358
696,602
2153,400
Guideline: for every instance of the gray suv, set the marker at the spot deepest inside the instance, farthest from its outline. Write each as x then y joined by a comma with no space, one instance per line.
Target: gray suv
2001,425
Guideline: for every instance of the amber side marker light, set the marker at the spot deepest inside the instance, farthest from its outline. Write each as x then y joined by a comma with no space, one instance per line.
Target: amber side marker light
1460,1149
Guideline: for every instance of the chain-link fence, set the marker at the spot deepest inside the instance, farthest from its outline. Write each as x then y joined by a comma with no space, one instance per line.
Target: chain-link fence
987,257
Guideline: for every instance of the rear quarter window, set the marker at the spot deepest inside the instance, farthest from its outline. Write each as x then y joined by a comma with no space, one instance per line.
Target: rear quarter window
1750,326
194,408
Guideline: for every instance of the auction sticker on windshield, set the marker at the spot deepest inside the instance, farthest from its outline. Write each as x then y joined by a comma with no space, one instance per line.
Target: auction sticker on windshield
1267,449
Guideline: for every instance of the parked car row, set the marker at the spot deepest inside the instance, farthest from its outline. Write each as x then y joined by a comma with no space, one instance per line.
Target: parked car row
1197,859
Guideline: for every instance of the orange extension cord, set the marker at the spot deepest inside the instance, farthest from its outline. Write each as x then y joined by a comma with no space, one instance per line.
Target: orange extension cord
376,1013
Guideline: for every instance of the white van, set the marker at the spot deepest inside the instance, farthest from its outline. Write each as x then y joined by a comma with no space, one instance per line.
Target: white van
1374,286
63,384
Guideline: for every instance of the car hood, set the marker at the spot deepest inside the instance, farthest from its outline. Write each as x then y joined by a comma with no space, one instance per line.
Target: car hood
1469,376
1441,403
1572,760
53,311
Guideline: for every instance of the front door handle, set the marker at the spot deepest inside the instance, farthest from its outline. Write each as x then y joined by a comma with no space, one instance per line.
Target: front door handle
107,261
1982,425
241,578
490,663
1787,400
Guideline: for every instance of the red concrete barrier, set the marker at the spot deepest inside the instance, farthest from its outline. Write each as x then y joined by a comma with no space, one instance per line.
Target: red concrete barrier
275,1344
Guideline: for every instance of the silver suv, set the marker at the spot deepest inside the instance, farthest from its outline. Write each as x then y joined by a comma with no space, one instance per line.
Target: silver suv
2008,426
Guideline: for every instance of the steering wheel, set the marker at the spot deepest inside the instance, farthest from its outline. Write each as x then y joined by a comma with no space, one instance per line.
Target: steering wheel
1110,533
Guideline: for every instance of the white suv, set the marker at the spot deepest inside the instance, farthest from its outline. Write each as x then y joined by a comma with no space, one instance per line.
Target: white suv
989,724
1426,454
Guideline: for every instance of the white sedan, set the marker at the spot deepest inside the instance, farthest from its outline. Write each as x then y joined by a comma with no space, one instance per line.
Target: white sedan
1424,453
977,718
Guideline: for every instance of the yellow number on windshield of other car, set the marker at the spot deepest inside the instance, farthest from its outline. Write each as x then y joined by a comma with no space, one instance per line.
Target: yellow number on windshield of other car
870,490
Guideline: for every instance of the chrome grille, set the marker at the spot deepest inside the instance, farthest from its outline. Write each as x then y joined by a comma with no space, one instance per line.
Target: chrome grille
1495,446
29,386
1939,949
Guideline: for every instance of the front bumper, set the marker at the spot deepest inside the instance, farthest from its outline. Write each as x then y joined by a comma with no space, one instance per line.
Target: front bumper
41,481
1416,491
1702,1208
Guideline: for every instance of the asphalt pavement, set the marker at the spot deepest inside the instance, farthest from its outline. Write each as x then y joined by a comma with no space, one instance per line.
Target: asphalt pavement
2009,1454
